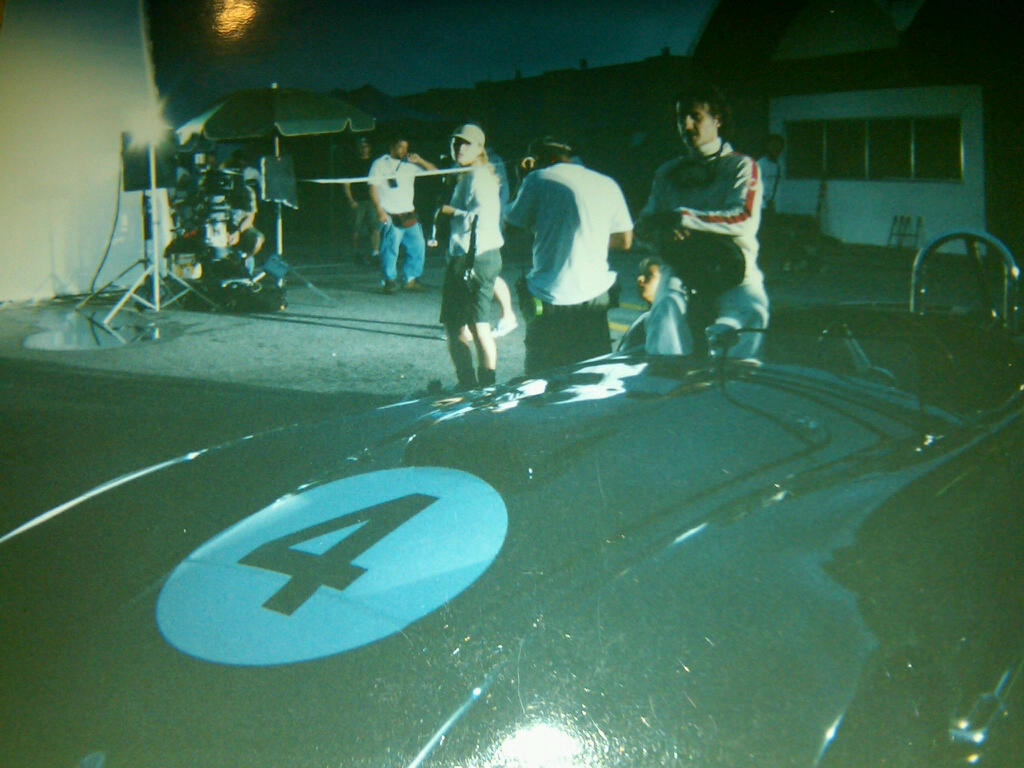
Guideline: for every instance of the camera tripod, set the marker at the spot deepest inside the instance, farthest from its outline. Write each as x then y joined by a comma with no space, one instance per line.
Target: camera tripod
150,261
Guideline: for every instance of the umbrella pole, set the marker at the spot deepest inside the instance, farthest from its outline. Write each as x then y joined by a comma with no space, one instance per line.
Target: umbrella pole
280,232
280,228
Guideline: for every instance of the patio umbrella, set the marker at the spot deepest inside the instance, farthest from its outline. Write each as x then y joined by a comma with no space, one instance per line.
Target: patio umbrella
261,112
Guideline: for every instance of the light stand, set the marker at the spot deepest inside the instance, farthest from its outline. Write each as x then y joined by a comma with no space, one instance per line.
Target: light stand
153,261
152,269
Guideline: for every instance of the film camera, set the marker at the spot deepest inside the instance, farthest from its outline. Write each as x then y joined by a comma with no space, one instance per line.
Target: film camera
212,249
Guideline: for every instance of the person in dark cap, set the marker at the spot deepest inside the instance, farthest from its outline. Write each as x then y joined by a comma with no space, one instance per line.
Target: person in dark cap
575,215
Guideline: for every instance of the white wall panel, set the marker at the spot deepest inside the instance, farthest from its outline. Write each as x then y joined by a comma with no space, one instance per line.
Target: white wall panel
74,74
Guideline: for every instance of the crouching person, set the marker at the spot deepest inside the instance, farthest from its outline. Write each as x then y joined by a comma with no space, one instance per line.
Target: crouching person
663,329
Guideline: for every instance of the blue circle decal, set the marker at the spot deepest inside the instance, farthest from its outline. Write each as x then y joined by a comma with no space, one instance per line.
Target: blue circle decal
333,568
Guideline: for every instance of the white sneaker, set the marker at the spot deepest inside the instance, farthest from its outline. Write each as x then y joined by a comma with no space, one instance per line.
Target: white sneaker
504,327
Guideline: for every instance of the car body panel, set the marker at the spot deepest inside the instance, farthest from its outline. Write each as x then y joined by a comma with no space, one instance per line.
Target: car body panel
634,561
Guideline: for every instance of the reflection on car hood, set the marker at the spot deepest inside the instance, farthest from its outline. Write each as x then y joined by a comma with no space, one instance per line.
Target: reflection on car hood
627,563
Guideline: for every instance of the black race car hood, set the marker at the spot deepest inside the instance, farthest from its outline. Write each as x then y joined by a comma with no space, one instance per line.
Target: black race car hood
625,564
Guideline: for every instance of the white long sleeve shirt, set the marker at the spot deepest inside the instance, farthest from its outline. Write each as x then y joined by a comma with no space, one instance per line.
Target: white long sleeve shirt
728,202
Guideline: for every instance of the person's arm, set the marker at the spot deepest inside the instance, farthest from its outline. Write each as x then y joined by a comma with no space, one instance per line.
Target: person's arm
242,218
250,214
740,211
621,224
382,215
348,194
518,241
522,212
422,162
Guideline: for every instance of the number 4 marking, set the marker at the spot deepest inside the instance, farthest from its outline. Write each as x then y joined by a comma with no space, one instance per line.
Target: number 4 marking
334,567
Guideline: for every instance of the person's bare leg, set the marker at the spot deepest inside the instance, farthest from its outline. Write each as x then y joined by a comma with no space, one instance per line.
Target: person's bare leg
507,321
486,353
460,348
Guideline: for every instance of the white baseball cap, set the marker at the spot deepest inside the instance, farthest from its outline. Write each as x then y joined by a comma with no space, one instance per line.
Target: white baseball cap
473,134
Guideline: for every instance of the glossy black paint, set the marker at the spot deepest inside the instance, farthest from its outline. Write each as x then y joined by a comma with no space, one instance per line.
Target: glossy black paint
811,561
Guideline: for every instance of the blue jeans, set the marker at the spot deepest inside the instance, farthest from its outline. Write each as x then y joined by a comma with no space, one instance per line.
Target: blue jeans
393,236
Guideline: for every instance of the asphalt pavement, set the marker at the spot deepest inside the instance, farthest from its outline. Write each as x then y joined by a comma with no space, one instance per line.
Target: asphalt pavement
339,334
80,405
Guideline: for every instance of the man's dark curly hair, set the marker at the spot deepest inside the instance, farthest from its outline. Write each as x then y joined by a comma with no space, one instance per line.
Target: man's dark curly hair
712,95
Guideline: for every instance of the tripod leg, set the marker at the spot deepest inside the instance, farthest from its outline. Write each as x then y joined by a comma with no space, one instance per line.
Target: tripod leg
131,294
98,291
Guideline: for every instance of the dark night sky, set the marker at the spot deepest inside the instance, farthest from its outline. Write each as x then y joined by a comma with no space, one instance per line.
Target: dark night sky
204,49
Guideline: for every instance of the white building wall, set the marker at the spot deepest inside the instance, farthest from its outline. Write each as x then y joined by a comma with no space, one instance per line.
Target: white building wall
863,211
74,74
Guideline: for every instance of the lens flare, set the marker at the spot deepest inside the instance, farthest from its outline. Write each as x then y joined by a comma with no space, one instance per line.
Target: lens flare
540,744
232,18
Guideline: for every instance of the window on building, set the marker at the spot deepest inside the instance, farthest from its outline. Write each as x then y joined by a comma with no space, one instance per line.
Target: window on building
890,150
845,149
805,149
922,148
937,148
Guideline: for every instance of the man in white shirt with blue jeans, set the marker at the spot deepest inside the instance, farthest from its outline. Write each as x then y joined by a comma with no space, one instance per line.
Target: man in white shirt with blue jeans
575,215
392,178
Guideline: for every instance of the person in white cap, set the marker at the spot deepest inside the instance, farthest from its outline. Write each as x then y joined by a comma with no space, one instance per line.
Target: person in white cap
474,260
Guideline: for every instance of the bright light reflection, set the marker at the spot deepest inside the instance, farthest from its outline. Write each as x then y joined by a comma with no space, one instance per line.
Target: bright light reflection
692,532
147,126
232,18
539,745
613,376
830,734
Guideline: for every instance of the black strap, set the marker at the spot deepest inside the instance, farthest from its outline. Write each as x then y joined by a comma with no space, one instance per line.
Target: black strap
467,273
471,253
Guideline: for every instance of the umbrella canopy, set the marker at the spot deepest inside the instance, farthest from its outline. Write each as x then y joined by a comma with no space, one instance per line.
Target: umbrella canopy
259,112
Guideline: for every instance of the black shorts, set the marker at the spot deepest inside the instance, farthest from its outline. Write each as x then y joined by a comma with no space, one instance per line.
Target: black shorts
469,302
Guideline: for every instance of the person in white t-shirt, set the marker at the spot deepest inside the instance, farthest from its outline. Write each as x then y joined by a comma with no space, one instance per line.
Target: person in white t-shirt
575,215
474,260
392,179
